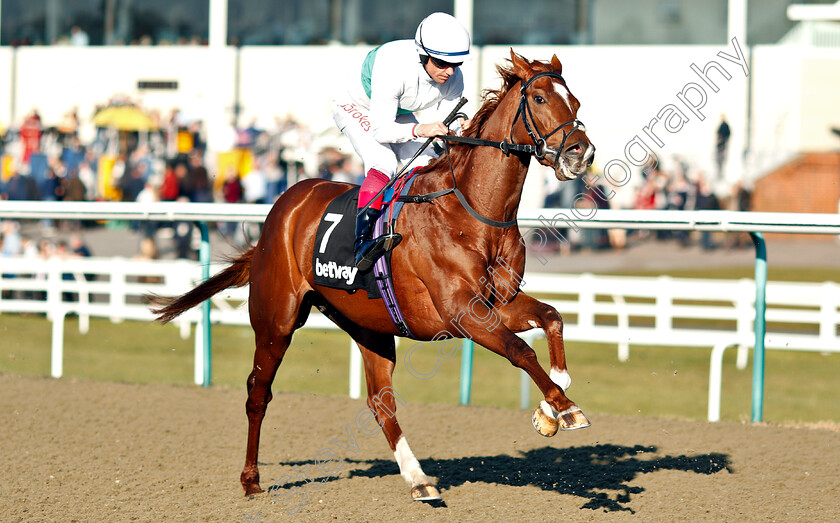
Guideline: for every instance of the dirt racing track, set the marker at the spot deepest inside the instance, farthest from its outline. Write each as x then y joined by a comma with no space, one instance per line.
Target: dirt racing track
87,451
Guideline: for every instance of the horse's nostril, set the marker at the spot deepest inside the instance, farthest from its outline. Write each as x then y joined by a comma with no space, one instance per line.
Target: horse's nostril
574,150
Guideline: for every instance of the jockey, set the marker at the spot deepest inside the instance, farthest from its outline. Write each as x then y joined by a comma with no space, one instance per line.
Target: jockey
376,113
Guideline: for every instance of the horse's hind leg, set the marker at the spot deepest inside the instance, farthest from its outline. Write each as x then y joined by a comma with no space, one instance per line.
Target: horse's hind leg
379,356
266,361
272,339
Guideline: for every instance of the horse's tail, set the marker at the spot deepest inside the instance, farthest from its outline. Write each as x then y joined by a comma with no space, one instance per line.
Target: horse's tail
236,274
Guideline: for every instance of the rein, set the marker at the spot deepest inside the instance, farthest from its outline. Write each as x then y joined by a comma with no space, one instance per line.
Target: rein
537,149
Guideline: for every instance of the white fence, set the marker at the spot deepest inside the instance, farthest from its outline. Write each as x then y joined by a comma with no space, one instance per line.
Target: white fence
639,311
113,288
691,313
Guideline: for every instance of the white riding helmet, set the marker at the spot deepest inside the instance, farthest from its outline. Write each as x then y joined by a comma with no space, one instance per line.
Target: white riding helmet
441,36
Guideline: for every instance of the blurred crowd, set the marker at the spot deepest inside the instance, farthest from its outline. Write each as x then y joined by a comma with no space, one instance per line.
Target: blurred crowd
166,160
676,187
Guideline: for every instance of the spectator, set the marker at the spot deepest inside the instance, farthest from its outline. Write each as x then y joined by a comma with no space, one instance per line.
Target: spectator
79,37
132,184
231,193
87,175
198,187
254,185
706,201
12,241
181,173
722,145
149,194
275,177
74,189
30,134
340,171
19,187
11,245
78,246
232,187
62,250
740,200
183,237
170,189
677,195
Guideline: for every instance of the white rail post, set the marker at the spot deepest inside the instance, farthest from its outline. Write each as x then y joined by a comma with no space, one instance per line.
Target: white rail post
198,372
623,327
57,347
84,302
118,291
54,287
715,381
586,302
664,305
828,311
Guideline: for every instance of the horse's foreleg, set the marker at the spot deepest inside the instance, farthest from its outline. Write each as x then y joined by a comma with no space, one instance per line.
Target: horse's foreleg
267,358
523,313
483,323
379,357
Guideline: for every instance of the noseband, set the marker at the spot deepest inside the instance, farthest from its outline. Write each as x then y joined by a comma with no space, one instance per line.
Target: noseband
539,139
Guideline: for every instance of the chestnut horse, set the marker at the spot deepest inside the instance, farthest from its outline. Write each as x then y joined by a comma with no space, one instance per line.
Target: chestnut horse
448,263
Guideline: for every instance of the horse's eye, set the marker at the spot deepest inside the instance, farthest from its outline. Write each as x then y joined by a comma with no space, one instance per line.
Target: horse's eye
539,99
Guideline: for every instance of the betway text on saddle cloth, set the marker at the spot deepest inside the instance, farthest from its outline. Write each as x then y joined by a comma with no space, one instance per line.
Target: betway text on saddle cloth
336,271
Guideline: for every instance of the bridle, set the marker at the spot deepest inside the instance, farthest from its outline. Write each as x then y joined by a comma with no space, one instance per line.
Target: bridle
539,147
537,137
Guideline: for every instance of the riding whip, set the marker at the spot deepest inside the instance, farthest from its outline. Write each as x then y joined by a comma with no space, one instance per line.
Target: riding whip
446,121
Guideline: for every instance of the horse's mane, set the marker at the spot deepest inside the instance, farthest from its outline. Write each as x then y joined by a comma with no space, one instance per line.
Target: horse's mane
490,100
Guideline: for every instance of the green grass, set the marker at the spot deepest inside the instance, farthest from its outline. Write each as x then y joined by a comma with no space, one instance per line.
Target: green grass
657,381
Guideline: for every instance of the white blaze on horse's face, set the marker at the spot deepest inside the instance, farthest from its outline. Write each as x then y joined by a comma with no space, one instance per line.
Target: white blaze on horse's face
564,93
571,165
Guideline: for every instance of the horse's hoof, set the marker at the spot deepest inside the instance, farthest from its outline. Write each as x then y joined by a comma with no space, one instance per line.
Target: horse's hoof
572,419
253,488
425,492
545,424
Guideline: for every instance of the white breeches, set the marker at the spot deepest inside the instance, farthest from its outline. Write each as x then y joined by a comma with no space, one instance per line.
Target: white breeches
354,122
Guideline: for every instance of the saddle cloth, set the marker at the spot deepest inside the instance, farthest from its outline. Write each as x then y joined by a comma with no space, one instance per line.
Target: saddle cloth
333,261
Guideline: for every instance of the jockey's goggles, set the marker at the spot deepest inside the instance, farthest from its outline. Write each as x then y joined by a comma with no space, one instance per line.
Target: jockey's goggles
441,64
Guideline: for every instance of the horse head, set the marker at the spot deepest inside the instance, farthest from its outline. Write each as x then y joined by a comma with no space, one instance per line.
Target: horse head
548,115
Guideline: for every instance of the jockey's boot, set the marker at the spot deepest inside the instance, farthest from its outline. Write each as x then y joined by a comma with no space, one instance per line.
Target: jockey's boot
366,248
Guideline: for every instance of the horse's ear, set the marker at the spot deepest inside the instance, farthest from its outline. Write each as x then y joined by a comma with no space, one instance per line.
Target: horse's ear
555,63
521,67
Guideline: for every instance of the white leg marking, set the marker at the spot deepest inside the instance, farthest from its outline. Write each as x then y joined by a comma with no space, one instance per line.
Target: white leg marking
533,324
561,378
409,466
547,409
